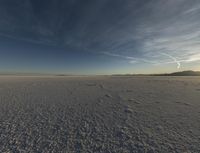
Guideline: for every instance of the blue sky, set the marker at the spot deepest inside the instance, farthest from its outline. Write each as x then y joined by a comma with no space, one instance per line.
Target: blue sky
99,36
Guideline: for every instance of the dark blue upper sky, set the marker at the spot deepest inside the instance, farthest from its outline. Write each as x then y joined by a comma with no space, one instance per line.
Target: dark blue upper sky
99,36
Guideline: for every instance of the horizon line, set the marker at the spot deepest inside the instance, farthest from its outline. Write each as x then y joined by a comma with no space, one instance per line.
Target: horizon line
65,74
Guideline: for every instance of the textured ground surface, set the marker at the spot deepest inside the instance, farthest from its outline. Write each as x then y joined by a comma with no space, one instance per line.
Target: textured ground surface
100,114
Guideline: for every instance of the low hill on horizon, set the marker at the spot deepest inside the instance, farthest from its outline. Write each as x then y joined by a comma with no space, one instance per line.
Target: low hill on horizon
181,73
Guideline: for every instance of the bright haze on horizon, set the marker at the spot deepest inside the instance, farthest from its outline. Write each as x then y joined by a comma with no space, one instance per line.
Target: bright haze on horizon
99,36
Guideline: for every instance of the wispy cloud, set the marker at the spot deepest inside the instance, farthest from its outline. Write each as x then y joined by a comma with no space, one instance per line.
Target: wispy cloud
43,42
130,59
191,10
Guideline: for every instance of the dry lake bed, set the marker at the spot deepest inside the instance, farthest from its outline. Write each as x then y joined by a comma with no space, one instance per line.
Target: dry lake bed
102,114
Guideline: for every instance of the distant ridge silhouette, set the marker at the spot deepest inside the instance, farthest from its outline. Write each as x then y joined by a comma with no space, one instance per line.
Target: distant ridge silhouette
182,73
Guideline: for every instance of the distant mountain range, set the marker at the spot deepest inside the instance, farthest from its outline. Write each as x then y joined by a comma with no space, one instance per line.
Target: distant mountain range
182,73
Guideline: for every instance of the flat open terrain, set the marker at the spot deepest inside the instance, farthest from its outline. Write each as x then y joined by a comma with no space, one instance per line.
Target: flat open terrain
100,114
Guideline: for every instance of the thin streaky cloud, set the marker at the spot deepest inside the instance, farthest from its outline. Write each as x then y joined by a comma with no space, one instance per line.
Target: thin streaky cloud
130,58
47,43
192,10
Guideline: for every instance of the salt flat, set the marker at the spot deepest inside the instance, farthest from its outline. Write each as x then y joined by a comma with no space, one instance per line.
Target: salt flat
102,114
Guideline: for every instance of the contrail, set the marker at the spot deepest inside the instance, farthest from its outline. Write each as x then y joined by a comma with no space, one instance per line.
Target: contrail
174,59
